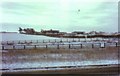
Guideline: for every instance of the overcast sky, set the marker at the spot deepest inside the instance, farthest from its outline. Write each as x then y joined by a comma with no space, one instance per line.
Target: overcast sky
63,15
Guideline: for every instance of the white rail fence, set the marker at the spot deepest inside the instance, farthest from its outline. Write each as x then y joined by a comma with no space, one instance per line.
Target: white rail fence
61,44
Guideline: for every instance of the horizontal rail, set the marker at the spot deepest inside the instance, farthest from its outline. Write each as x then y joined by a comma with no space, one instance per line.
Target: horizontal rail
54,41
58,46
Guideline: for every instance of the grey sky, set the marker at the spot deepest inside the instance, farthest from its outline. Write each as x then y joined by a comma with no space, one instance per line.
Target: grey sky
60,14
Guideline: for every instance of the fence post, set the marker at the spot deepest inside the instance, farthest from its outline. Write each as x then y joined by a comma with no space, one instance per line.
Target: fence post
2,47
13,47
104,45
24,46
69,46
81,45
43,41
55,40
58,46
46,46
35,47
92,45
116,44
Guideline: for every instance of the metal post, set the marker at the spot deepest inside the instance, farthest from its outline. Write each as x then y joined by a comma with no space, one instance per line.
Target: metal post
24,46
2,47
116,44
58,46
81,45
13,47
92,45
35,47
69,46
104,45
46,46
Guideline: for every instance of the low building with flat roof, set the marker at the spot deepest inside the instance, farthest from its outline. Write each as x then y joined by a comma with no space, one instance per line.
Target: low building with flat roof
78,32
50,31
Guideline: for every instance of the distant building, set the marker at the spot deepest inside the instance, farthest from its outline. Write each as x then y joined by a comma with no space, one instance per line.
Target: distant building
70,34
78,32
62,32
50,31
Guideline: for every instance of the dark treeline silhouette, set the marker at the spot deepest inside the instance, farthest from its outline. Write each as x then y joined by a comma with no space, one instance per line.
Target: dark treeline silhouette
75,34
27,30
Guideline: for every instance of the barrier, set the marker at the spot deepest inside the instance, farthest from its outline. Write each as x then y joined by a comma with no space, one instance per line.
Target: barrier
55,44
